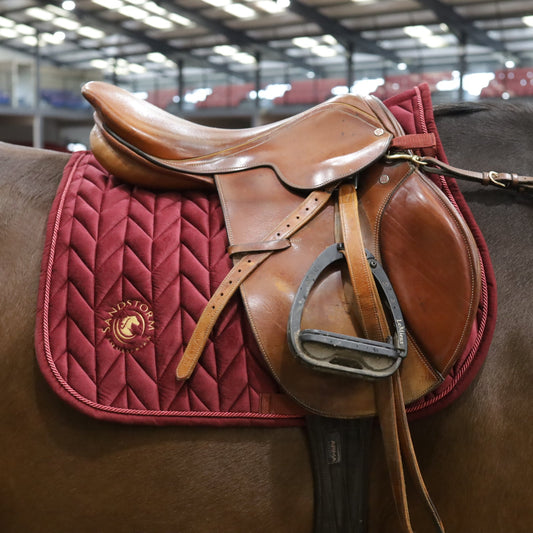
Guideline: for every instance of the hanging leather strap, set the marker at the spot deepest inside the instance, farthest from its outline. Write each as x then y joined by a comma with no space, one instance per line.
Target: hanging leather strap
389,398
242,269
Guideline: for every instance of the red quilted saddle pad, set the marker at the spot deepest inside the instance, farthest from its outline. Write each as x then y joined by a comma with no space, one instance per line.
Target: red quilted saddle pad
125,276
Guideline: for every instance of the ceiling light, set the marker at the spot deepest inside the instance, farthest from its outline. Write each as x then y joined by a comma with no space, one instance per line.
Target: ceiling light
99,63
53,38
110,4
433,41
132,12
67,24
136,68
417,31
6,23
243,57
323,50
305,42
69,5
528,21
217,3
30,40
154,8
401,66
510,64
91,33
225,50
270,6
156,57
38,13
329,39
178,19
158,22
23,29
57,11
240,11
8,33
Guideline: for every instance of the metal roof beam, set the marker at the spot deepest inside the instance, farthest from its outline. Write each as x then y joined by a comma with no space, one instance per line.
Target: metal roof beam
154,44
235,37
345,36
461,27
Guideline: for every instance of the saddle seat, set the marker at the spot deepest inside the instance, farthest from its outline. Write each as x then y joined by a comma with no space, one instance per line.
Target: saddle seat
147,146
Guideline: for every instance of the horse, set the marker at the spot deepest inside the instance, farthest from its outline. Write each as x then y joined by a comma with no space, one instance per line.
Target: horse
65,472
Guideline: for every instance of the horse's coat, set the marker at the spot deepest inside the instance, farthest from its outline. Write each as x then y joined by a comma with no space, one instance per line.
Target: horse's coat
64,472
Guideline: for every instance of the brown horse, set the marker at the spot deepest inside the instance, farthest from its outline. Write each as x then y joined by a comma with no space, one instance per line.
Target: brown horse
63,472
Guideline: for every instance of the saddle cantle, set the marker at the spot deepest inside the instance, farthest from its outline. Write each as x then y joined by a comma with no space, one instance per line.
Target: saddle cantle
265,175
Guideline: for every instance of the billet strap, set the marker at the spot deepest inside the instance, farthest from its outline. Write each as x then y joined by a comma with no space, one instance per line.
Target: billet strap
389,399
503,180
312,205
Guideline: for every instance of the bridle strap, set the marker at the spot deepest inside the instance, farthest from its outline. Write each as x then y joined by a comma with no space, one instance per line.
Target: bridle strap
503,180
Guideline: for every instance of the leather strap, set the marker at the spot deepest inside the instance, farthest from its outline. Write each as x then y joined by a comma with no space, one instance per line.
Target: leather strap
415,141
388,392
503,180
368,302
261,246
242,269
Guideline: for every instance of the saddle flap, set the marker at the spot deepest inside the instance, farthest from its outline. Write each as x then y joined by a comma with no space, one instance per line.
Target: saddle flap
334,140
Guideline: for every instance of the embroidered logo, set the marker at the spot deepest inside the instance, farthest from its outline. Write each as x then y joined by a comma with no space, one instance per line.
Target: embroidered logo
129,325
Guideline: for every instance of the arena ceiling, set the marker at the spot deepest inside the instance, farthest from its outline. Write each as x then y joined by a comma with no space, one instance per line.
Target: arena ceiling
213,38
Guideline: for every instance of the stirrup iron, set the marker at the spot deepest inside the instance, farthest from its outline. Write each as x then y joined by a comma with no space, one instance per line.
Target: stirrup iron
335,352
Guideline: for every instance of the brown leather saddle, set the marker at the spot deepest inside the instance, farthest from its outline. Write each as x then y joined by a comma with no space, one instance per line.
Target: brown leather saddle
350,262
279,189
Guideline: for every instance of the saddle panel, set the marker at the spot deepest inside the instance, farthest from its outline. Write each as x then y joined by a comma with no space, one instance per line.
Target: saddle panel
335,139
401,216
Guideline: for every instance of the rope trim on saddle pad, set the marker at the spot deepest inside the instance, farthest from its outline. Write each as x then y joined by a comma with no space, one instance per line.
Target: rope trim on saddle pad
125,276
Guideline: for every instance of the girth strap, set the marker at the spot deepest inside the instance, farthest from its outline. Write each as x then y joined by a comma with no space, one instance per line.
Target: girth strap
389,399
242,269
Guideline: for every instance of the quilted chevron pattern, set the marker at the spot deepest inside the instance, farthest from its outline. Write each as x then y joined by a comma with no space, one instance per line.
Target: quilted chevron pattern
153,261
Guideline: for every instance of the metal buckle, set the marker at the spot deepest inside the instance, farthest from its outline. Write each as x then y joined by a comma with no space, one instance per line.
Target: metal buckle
404,156
335,352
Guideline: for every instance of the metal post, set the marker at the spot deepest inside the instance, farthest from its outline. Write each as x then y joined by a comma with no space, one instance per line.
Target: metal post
462,67
181,85
257,102
350,76
37,113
